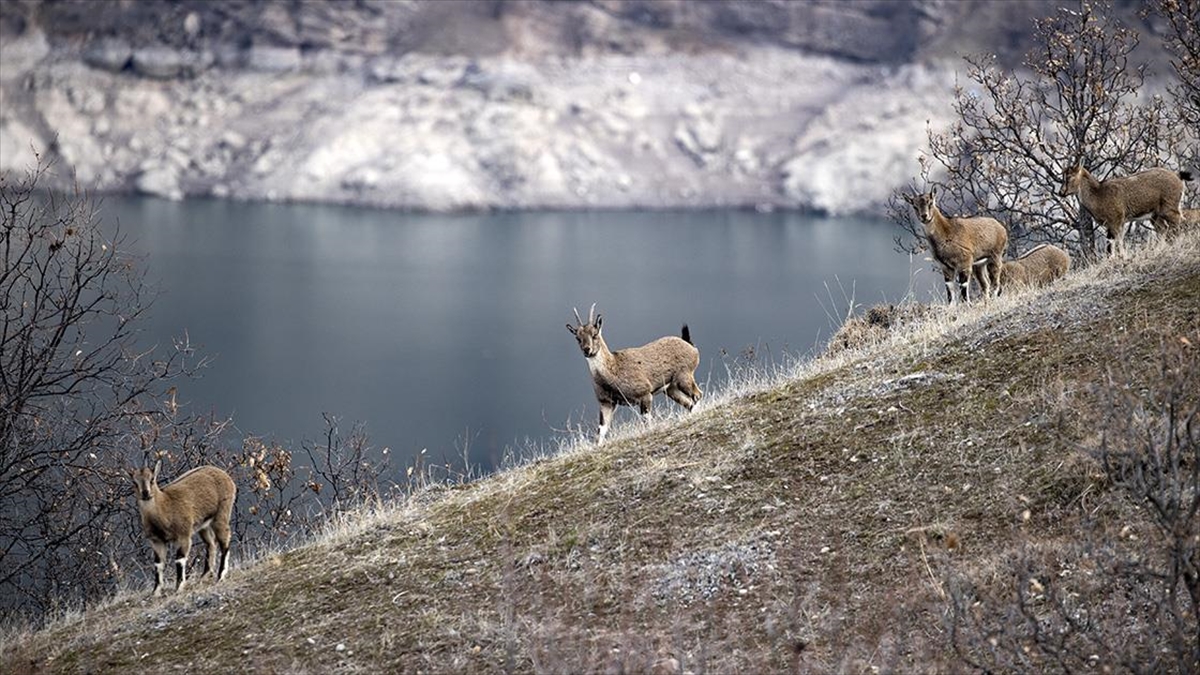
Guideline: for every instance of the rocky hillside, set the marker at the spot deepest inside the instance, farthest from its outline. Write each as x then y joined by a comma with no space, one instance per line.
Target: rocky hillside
490,104
878,510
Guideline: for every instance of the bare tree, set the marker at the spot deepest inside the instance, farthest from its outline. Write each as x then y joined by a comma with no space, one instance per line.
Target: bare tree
74,387
81,402
1016,132
1182,40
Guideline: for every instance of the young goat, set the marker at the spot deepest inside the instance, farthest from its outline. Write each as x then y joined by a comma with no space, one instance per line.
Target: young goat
634,375
962,246
1037,267
200,500
1116,201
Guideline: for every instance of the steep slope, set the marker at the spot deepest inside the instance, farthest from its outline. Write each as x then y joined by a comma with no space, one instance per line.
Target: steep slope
807,522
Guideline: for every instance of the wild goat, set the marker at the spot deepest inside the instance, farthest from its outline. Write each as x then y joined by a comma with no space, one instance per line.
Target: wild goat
634,375
962,246
1037,267
200,500
1116,201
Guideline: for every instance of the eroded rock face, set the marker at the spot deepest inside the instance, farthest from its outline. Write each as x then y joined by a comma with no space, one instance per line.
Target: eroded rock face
866,30
504,104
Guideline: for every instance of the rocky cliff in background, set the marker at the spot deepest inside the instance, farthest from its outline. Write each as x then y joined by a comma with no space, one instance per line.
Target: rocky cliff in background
490,104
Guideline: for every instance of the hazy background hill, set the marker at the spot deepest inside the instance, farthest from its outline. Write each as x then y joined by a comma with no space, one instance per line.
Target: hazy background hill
495,104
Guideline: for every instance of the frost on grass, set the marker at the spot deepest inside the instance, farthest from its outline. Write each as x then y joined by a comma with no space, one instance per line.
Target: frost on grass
702,575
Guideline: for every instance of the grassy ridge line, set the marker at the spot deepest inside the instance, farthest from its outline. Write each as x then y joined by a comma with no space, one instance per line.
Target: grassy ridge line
802,519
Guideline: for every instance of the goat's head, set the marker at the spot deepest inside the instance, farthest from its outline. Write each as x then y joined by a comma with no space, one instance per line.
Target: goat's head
145,482
587,334
1071,178
923,205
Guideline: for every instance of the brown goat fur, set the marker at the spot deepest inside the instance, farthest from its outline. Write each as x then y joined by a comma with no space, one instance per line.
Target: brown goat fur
1037,267
632,376
962,246
1116,201
200,500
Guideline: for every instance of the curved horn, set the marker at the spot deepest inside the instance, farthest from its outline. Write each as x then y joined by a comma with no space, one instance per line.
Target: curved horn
577,319
592,313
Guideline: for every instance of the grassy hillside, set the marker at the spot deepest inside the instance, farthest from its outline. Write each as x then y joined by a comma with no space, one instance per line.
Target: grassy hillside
820,521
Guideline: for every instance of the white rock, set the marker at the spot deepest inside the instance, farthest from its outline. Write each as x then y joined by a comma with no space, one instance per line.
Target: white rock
161,181
19,147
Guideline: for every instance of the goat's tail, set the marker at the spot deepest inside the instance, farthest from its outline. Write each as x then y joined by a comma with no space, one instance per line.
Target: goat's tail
686,334
1185,175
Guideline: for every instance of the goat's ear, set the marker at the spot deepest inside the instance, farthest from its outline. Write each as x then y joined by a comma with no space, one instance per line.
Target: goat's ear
933,193
157,466
599,320
906,197
573,329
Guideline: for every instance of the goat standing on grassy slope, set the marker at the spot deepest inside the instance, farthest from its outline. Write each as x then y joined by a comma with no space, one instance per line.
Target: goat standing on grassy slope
962,246
200,500
1116,201
1037,267
634,375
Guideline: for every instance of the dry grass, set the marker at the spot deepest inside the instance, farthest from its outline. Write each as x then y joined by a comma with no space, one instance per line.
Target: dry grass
800,520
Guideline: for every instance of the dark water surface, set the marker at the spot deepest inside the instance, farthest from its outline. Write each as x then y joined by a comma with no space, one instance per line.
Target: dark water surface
442,330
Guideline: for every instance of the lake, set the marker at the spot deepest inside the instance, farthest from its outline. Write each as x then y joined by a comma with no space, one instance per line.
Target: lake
439,331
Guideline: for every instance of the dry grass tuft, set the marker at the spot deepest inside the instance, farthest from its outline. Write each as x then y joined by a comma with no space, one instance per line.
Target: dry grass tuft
870,328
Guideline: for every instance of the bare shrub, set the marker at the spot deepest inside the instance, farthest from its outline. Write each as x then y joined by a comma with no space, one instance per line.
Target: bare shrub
81,401
1124,594
875,325
74,386
1182,40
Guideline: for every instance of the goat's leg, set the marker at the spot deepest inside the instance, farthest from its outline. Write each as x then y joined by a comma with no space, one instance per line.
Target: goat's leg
1167,224
979,270
694,389
223,535
675,393
210,550
1159,223
948,277
160,561
964,283
606,414
995,264
645,403
1115,239
182,548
